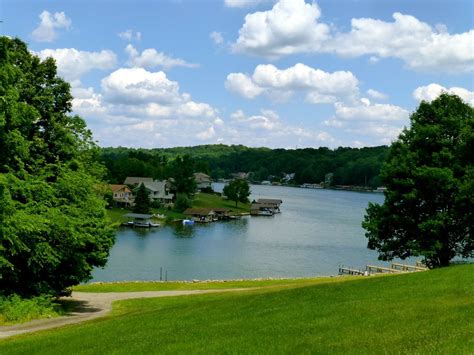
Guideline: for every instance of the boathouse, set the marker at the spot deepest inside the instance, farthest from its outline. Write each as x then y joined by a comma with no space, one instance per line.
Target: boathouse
201,215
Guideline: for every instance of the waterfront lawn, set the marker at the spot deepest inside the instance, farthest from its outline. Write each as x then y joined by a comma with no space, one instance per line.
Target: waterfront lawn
425,312
116,215
215,201
136,286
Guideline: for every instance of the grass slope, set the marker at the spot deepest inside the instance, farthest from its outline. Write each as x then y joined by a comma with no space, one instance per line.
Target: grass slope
427,312
135,286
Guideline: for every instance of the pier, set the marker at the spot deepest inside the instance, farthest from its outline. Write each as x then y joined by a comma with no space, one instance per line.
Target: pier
395,268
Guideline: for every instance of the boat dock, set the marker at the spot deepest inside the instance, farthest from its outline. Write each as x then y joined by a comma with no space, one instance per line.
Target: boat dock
395,268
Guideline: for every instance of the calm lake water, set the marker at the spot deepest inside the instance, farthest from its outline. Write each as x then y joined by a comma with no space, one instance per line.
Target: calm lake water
316,232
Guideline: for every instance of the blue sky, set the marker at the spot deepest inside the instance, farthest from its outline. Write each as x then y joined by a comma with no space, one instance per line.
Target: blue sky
287,73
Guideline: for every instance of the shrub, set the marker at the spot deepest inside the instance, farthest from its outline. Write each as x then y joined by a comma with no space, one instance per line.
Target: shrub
15,309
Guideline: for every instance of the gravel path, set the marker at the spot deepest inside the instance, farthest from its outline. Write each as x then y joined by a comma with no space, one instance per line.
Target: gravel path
94,305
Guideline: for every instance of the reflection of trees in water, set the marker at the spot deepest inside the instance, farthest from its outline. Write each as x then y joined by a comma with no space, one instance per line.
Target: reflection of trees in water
181,231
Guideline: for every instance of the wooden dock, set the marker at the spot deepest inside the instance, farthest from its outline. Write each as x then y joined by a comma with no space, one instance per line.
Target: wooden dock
405,267
395,268
348,271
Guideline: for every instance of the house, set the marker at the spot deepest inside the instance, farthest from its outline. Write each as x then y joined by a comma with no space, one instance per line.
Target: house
136,181
240,176
122,195
201,215
159,191
288,177
203,181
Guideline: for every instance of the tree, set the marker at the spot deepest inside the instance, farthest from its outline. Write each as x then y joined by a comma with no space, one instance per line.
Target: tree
182,202
181,170
429,176
53,225
238,191
142,200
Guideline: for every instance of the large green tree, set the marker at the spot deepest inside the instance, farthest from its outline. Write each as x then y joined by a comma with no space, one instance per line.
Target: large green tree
53,226
429,175
142,200
181,170
238,191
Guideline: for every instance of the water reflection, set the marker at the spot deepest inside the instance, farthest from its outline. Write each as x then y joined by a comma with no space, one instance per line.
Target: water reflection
181,231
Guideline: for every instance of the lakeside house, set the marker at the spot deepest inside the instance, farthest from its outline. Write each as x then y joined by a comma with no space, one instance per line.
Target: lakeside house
240,176
122,195
201,215
136,181
158,190
203,181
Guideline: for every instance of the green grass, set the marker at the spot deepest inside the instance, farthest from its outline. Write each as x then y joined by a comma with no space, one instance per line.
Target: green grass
116,215
173,285
426,312
216,201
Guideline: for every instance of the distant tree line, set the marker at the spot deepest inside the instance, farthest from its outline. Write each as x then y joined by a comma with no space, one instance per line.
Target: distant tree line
350,166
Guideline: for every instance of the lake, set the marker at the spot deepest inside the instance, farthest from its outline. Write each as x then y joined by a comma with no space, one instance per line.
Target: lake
317,231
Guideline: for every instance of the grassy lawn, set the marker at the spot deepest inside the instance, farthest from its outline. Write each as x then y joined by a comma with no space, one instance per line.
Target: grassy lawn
426,312
215,201
171,285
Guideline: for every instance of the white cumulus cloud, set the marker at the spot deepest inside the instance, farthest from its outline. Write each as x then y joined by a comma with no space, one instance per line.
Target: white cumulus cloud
73,63
317,85
293,26
47,30
432,91
377,95
151,58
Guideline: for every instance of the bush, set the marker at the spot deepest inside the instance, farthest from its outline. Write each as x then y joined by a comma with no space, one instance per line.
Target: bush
15,309
182,202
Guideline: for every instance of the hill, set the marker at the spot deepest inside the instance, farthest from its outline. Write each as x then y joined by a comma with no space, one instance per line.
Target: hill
349,166
426,312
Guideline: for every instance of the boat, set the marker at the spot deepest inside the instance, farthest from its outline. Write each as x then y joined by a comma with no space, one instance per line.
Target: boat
265,213
188,222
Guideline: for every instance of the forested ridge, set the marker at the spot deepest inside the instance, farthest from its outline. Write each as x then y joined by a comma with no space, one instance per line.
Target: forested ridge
350,166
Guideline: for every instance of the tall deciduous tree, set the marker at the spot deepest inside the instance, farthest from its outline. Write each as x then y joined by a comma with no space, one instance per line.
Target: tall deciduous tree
181,170
142,200
429,175
53,226
237,191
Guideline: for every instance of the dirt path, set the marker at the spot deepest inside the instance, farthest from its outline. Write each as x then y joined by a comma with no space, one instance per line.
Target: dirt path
94,305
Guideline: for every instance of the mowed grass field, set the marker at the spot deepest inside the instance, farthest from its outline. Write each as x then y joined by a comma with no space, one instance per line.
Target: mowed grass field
426,312
137,286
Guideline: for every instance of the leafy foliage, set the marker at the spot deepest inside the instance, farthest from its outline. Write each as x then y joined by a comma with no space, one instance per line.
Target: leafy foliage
237,191
142,200
53,227
181,170
15,309
182,202
351,166
429,175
